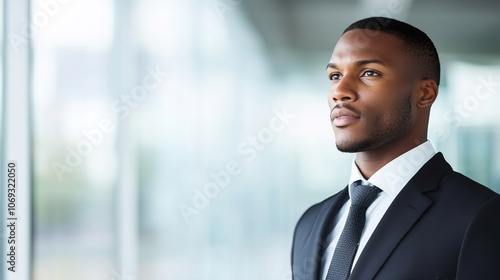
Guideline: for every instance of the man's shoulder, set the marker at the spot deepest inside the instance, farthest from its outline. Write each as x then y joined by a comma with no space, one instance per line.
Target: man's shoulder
439,173
310,226
465,186
313,214
461,195
319,207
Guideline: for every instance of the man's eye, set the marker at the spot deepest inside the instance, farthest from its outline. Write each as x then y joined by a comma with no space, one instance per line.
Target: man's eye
370,73
334,76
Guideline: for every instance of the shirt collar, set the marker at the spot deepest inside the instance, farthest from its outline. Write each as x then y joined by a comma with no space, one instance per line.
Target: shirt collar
393,176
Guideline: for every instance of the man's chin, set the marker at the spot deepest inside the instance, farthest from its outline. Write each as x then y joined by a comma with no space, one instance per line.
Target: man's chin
346,149
353,147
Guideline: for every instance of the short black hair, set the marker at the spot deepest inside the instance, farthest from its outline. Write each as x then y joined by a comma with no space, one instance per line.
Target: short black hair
418,45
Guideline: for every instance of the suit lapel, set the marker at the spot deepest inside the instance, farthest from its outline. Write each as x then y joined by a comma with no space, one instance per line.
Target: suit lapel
320,229
403,213
399,218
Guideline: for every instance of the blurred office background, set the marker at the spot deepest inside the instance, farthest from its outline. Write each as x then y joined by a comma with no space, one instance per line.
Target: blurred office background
182,139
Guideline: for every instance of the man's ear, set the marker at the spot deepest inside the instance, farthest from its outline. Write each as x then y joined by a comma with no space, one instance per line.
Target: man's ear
427,92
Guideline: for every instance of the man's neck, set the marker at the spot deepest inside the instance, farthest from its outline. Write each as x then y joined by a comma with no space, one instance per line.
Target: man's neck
369,162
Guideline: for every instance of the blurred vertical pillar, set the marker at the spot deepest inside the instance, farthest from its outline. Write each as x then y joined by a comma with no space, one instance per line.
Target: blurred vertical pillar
17,136
126,214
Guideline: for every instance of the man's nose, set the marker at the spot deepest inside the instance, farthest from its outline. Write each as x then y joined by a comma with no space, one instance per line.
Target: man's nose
342,90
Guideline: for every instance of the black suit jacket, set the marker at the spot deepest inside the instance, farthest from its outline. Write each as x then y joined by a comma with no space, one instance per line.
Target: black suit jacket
442,225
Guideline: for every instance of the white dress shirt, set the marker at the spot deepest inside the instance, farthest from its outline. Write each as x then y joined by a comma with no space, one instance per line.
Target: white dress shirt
391,179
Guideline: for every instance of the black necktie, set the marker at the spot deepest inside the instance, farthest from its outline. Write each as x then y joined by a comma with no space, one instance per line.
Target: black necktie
343,256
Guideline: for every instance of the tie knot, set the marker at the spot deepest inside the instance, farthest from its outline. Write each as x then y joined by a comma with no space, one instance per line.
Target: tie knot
363,195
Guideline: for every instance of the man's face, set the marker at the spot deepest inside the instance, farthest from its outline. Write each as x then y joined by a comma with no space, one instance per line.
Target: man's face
371,93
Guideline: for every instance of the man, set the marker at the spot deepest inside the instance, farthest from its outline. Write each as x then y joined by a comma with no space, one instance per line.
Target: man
421,219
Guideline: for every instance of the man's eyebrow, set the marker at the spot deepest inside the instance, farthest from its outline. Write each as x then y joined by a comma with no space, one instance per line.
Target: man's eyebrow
331,65
368,61
358,63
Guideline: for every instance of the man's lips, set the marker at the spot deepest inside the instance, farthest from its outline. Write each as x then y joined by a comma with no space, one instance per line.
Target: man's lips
342,116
